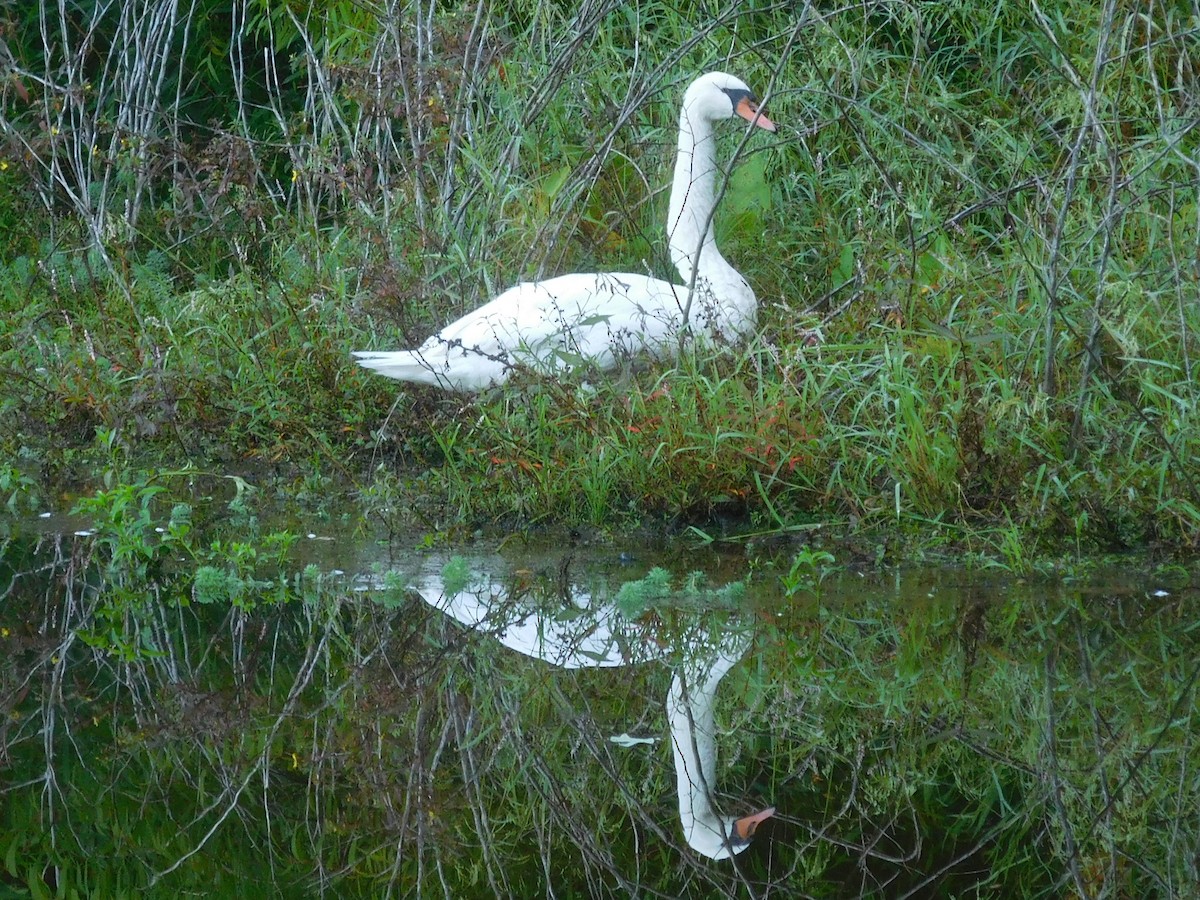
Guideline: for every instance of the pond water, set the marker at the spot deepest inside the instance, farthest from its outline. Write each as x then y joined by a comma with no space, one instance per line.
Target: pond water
229,709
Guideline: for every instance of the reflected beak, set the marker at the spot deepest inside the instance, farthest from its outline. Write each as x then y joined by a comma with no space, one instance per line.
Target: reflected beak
743,829
748,110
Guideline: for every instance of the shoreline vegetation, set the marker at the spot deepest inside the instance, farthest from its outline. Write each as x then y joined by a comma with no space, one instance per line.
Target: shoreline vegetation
975,242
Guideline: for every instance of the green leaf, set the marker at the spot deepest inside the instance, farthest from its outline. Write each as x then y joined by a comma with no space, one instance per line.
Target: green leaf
10,857
749,190
456,575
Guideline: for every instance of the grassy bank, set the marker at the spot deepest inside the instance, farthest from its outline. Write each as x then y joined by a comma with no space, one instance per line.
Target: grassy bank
975,244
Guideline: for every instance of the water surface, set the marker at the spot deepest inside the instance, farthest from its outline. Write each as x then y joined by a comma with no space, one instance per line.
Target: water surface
329,713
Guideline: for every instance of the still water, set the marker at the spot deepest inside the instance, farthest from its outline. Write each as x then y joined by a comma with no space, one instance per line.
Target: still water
327,713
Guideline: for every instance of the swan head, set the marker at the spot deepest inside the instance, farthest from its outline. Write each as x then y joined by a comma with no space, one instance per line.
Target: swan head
737,834
718,95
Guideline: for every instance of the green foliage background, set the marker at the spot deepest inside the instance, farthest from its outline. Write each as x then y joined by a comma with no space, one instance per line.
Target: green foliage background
975,243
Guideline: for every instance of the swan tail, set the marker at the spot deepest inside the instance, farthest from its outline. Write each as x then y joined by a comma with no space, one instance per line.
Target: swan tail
403,365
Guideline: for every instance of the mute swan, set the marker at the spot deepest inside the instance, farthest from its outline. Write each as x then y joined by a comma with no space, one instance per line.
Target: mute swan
690,703
599,318
587,634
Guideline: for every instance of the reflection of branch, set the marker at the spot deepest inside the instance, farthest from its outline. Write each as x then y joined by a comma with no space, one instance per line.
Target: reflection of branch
230,796
462,722
1054,771
1133,767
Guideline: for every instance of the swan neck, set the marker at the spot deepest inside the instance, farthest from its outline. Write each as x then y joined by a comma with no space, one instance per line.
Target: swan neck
694,746
690,712
693,189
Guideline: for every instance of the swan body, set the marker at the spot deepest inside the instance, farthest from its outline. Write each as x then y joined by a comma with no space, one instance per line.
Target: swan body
690,703
589,633
600,318
583,634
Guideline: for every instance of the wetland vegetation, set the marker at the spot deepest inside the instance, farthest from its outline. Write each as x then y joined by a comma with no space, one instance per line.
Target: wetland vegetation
184,714
975,241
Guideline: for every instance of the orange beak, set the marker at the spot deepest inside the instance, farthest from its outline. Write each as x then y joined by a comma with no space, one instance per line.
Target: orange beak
744,828
748,110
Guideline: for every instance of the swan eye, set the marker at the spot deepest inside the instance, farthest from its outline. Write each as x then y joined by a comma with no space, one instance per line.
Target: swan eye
745,104
738,97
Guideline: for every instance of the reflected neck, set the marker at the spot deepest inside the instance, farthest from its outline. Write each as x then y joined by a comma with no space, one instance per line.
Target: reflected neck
690,703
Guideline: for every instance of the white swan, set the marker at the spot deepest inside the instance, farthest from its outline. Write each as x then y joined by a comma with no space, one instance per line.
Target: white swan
599,318
690,703
587,634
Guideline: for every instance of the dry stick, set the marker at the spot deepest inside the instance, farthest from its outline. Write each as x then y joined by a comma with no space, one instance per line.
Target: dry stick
332,700
844,104
1110,215
1048,284
469,77
561,66
237,63
892,187
70,166
923,887
1177,267
1143,415
1182,470
920,243
1087,128
1165,122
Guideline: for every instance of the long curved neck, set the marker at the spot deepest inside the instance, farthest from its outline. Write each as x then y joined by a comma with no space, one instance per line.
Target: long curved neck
689,221
694,746
690,703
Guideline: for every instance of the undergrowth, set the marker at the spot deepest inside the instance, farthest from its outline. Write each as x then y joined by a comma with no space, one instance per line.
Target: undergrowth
974,243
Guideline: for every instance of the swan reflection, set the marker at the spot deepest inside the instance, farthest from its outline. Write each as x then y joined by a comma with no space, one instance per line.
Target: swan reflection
574,630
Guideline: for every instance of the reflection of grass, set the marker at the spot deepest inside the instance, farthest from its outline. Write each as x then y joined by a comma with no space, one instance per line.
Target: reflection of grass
928,733
973,241
656,590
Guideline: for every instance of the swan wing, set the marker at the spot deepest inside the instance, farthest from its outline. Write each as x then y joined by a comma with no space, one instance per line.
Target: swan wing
552,325
586,633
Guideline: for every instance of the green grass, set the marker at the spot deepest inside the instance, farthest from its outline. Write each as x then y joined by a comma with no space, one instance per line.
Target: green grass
972,241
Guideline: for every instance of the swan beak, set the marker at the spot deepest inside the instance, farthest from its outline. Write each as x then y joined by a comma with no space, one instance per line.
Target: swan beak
748,110
744,828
